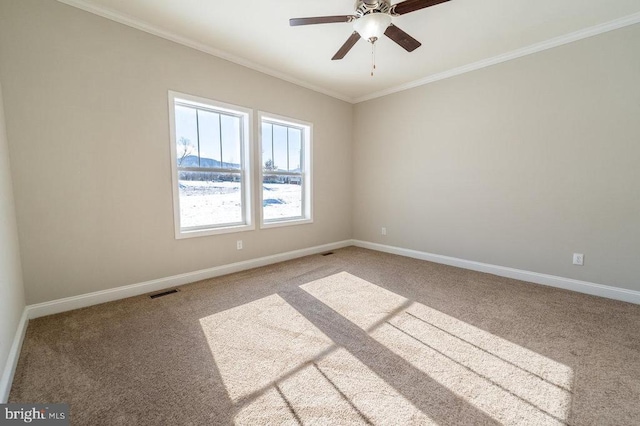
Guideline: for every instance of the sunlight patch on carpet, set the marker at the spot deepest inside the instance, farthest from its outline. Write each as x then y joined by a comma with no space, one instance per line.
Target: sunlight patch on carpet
337,389
279,368
257,343
510,383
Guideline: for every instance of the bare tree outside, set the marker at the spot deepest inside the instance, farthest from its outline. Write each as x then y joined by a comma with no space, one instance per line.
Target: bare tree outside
184,149
269,166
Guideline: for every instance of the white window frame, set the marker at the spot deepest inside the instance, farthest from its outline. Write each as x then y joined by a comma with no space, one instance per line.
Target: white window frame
307,170
246,115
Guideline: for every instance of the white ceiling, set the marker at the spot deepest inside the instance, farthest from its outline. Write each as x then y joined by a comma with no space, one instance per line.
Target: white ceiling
457,36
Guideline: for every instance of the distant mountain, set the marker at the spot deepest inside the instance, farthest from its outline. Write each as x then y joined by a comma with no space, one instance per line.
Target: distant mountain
192,161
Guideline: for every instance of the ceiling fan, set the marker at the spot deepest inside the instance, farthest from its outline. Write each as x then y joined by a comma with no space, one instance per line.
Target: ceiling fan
372,19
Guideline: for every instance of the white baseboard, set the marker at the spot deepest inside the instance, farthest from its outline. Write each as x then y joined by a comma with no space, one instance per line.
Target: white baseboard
586,287
82,301
76,302
12,359
89,299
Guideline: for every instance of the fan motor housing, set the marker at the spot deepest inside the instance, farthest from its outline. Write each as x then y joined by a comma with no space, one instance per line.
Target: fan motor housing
364,7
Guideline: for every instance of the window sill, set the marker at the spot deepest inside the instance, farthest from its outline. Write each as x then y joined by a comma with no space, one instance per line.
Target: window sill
281,223
180,235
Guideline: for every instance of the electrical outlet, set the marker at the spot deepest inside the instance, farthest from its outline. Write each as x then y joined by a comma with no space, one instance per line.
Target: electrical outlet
578,259
239,244
383,231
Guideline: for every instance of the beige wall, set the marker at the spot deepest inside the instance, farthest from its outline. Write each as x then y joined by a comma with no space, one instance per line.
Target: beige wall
12,300
87,120
519,164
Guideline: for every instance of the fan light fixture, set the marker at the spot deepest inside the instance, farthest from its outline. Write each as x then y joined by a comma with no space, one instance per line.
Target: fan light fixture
371,20
372,26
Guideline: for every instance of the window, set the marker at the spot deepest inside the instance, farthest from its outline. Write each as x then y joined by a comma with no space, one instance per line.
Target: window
285,172
211,166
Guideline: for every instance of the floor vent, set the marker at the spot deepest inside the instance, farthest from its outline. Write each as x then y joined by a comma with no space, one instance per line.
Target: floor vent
164,293
328,253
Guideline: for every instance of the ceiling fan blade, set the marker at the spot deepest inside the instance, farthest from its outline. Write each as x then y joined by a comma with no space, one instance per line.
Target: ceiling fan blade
405,41
320,20
413,5
346,47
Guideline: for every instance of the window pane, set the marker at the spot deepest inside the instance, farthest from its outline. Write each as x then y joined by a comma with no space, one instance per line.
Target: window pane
186,137
281,197
230,141
267,153
280,156
209,126
209,199
295,144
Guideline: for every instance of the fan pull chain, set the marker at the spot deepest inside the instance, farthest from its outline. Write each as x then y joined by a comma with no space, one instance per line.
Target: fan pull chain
373,58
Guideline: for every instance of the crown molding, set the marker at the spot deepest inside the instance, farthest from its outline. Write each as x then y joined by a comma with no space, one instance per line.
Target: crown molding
514,54
151,29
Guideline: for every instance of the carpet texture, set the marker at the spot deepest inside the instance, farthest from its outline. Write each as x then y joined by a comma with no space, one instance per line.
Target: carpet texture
357,337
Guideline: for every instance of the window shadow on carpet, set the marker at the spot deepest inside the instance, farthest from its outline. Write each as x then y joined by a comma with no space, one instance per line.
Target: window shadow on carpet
344,350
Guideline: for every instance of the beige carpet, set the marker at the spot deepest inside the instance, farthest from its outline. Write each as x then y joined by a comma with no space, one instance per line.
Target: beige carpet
357,337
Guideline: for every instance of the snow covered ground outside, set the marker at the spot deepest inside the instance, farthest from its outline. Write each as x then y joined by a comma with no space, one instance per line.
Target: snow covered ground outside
281,200
205,203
